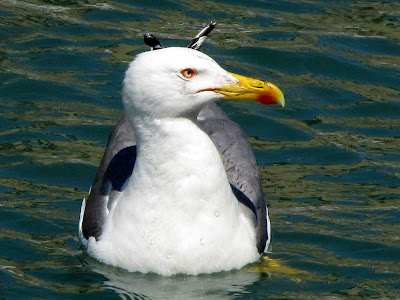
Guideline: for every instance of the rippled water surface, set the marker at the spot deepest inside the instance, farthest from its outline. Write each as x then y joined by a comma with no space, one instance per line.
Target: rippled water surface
329,160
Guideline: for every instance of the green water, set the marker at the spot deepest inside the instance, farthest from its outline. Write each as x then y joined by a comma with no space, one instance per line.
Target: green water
329,161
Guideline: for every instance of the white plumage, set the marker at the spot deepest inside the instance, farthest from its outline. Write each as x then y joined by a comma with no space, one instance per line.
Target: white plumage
178,212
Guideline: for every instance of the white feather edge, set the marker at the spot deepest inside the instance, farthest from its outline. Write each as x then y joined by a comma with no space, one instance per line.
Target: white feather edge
268,230
81,237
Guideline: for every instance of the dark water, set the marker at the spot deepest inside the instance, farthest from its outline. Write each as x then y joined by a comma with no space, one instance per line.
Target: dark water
329,161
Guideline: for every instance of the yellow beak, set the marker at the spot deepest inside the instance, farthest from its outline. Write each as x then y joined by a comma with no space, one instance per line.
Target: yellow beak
252,89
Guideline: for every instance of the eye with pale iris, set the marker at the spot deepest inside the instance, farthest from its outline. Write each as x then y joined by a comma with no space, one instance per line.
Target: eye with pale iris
188,73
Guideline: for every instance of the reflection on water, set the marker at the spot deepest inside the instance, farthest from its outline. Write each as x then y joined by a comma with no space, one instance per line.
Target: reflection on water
224,285
139,286
329,161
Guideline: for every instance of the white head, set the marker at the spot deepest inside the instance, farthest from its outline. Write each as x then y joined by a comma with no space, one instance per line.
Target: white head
166,83
179,82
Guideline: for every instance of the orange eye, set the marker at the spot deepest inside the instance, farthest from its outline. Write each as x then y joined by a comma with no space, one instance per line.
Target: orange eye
188,73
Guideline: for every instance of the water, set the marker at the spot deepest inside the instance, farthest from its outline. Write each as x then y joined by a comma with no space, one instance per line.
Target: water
329,161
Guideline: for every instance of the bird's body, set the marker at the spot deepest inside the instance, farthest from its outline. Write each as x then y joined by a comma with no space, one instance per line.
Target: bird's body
178,188
188,226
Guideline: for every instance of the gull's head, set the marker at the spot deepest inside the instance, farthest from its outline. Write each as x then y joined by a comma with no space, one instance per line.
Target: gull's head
175,82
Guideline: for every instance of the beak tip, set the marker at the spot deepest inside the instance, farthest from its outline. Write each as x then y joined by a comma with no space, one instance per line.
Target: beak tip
282,101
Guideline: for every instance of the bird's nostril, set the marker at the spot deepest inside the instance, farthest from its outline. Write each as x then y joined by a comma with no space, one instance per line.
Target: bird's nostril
258,84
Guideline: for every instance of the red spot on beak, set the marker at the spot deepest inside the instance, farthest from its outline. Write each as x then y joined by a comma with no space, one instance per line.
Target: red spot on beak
266,99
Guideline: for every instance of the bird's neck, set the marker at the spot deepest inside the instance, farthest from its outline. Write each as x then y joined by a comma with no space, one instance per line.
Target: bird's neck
177,163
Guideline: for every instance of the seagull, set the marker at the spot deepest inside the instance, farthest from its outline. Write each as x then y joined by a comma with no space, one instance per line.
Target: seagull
177,190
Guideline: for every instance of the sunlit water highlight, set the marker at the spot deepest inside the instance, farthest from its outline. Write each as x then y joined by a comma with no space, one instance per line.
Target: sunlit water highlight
329,161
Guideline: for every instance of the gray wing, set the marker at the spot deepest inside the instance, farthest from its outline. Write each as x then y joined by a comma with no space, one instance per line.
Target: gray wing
240,165
112,175
236,153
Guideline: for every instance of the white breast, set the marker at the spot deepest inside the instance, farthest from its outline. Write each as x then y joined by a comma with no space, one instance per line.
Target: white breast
178,213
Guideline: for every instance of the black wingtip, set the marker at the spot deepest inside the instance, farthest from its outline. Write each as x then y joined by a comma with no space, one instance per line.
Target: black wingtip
199,39
195,43
152,41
